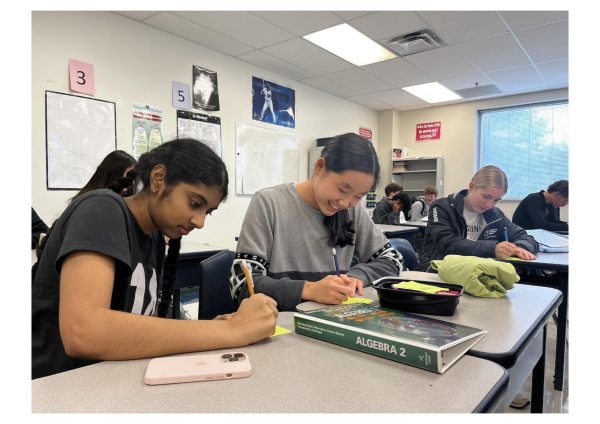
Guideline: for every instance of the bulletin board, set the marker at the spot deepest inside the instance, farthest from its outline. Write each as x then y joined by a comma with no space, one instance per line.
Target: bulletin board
80,132
265,157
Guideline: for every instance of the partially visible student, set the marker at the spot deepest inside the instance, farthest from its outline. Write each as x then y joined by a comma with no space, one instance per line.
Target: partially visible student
101,290
386,210
115,165
468,223
401,201
289,231
420,207
38,227
542,209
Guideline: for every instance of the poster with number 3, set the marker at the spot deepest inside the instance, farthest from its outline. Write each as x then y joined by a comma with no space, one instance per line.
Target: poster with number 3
81,76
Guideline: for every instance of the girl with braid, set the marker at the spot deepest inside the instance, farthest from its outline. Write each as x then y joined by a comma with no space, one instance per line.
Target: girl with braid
289,232
101,292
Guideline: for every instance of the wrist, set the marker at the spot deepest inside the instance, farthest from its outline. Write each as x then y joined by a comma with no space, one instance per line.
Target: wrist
308,290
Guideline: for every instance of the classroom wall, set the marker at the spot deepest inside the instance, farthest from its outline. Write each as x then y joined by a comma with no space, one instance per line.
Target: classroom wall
135,63
458,142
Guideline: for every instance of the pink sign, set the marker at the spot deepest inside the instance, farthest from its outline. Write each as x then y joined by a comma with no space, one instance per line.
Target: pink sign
81,76
366,133
428,131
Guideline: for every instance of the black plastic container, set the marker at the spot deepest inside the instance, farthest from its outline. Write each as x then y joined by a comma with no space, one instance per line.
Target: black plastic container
415,301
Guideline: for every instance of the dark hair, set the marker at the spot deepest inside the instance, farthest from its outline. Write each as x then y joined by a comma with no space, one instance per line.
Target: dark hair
406,203
392,187
344,153
111,168
431,190
186,161
562,186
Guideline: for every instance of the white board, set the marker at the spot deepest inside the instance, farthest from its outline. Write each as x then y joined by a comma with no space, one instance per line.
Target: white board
80,132
264,158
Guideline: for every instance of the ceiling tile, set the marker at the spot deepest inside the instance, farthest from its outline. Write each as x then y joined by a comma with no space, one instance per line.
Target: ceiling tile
301,52
189,30
546,43
555,74
351,14
398,72
301,22
493,53
242,26
137,14
359,80
468,81
331,87
457,26
398,98
517,79
382,25
264,60
370,102
520,19
442,63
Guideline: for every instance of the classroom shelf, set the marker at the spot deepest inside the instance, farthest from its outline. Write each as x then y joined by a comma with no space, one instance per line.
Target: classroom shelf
419,173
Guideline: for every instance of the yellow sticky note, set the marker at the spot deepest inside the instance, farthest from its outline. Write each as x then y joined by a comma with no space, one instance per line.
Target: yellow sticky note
357,300
279,331
413,285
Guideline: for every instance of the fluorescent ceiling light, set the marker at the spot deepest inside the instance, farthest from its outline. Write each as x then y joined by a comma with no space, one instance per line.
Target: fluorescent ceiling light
433,92
349,44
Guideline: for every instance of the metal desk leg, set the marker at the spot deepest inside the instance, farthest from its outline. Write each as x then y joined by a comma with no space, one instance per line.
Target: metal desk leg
538,380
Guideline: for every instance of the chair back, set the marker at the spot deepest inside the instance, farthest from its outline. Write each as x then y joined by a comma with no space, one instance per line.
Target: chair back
214,296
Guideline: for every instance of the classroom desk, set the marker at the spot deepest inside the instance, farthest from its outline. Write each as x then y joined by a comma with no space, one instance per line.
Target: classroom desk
558,262
516,326
399,231
291,373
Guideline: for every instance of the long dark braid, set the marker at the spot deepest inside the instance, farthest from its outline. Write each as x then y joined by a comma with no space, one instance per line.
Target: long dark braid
126,182
342,153
168,277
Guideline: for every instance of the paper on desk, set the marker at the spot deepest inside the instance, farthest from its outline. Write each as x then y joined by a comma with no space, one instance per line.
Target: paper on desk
357,300
279,331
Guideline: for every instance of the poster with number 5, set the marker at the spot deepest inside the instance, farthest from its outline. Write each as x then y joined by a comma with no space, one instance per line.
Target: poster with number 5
81,77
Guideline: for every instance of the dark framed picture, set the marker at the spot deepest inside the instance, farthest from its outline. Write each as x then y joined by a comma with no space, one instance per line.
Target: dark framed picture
205,89
273,103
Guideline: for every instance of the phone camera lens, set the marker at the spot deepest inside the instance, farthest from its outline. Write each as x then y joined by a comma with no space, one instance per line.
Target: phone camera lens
226,356
234,359
239,355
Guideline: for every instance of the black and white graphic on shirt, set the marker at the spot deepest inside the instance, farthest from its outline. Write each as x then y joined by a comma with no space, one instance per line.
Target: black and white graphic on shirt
144,289
474,229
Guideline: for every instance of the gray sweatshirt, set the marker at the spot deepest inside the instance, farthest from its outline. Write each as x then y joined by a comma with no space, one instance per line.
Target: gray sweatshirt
284,242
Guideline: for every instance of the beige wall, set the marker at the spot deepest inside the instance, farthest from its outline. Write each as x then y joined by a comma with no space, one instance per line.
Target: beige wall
458,141
135,63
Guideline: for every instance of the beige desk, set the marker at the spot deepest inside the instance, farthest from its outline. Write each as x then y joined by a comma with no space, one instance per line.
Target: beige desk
292,373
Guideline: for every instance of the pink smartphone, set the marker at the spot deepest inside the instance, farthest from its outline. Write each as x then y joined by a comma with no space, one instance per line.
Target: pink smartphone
184,369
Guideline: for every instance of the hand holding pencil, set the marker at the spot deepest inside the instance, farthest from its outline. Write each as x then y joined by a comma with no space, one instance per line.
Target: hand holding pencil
248,274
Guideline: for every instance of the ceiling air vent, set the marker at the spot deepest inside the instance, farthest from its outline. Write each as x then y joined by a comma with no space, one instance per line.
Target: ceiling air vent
414,42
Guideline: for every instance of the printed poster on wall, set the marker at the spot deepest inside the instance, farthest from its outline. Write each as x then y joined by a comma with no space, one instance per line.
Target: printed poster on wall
200,127
146,125
428,131
205,88
366,133
273,103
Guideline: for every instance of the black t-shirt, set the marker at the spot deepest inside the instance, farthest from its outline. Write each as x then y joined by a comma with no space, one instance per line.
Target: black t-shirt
101,222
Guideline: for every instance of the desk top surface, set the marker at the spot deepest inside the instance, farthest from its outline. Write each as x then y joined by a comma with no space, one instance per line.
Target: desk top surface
508,320
397,228
551,261
291,373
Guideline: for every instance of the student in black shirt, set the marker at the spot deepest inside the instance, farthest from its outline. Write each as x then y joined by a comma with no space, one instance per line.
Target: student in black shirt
541,210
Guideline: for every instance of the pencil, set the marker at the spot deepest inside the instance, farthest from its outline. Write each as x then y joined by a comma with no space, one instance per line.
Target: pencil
248,275
505,234
335,262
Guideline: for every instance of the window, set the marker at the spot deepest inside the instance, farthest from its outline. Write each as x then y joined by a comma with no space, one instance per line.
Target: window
529,143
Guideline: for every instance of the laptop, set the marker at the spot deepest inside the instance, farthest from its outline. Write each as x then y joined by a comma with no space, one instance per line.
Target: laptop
549,240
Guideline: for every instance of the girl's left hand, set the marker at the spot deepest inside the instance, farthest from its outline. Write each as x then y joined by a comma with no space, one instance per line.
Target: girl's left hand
523,254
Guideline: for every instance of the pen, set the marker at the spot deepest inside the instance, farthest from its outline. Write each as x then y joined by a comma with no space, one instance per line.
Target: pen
505,234
248,275
335,262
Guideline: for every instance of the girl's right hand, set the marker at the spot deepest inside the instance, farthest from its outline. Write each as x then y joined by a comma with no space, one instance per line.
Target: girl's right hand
330,290
255,319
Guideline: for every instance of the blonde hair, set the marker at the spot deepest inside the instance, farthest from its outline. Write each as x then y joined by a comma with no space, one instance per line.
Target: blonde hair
491,176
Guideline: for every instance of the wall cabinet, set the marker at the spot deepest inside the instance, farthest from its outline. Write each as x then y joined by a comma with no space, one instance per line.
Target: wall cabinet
414,174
